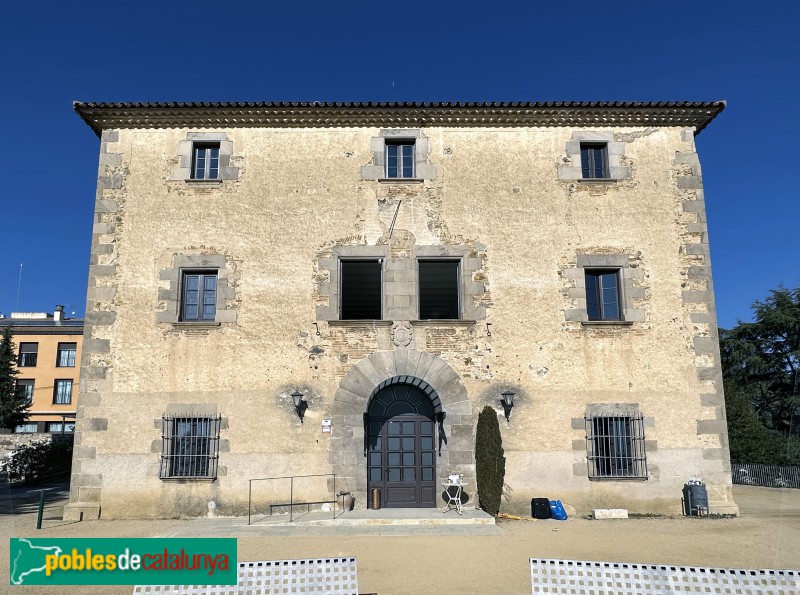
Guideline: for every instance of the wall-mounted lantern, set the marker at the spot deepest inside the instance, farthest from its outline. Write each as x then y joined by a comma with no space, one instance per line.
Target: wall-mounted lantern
300,404
508,403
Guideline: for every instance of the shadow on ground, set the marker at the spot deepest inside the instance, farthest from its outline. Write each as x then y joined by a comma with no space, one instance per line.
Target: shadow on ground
18,499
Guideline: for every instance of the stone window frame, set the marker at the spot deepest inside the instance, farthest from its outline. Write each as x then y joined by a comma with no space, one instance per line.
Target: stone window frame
400,282
469,291
171,296
615,150
332,288
627,290
202,275
376,170
186,150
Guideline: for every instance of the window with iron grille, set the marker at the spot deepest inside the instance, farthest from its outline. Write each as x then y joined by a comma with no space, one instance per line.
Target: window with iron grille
594,160
62,392
25,389
28,355
602,294
400,160
205,161
66,355
189,447
615,447
199,296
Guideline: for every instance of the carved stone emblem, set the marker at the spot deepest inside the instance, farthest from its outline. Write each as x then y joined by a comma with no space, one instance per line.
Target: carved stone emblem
401,334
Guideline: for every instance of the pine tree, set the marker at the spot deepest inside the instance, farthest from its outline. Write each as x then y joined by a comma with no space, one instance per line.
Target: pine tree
13,404
490,464
761,370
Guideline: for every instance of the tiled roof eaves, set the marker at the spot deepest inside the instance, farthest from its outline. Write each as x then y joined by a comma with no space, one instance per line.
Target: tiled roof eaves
44,327
108,116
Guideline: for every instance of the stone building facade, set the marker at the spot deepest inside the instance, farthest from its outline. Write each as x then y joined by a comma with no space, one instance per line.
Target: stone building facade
396,268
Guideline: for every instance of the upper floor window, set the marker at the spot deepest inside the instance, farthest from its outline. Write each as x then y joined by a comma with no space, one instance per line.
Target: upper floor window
199,296
66,355
439,290
28,428
205,161
399,154
205,157
602,294
595,155
594,160
28,355
25,389
400,159
62,392
360,289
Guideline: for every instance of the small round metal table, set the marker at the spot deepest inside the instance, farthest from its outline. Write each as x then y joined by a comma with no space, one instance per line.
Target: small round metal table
452,496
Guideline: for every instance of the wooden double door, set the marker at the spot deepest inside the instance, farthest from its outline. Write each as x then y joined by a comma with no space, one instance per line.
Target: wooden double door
401,457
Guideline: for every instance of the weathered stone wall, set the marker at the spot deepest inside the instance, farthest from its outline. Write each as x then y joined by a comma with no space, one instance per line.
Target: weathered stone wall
501,199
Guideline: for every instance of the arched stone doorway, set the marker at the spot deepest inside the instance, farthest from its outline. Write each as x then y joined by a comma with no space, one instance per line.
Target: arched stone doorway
454,422
401,447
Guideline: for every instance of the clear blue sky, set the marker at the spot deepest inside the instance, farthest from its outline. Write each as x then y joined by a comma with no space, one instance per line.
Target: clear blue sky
52,53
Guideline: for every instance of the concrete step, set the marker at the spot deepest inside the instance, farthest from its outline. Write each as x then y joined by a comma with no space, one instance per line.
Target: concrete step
382,517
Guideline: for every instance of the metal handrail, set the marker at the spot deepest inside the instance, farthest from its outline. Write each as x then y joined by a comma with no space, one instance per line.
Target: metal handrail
291,479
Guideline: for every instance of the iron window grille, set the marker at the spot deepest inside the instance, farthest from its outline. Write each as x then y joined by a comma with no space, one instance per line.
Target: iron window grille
28,355
602,294
615,447
400,160
66,355
199,297
25,389
594,161
205,161
62,392
189,447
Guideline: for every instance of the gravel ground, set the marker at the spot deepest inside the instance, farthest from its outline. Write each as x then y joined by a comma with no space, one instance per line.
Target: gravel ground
766,535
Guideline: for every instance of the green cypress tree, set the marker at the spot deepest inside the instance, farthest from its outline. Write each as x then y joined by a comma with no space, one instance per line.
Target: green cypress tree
13,404
490,464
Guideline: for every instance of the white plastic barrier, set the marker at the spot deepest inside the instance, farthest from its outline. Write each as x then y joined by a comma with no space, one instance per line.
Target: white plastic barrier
580,577
315,575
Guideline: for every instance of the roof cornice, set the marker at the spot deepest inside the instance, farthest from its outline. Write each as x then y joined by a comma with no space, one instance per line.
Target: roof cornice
21,328
112,116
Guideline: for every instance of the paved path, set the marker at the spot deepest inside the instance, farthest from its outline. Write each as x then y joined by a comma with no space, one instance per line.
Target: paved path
420,559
